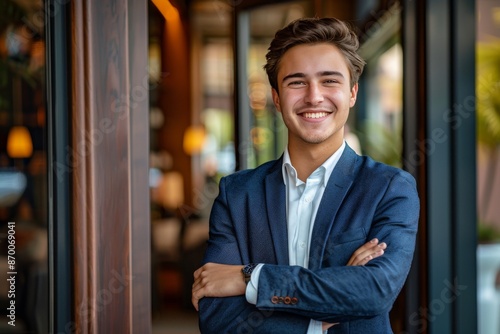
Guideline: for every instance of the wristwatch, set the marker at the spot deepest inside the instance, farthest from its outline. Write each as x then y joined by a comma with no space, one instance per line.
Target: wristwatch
247,271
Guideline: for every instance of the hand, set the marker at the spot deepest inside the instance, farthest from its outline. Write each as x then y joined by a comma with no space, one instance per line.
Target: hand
369,251
217,280
326,326
222,280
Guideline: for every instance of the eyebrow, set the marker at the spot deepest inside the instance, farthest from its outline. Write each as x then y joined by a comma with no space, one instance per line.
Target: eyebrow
321,74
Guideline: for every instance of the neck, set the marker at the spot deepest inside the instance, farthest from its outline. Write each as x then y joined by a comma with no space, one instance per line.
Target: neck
306,158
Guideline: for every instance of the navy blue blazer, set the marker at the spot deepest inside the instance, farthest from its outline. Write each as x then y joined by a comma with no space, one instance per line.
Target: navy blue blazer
363,199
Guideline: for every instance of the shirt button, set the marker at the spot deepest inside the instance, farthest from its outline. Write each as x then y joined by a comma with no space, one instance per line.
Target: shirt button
302,245
307,199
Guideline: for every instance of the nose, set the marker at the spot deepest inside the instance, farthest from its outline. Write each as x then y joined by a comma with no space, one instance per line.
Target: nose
314,94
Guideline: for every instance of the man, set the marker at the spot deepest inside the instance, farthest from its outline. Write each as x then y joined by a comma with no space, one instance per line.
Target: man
282,235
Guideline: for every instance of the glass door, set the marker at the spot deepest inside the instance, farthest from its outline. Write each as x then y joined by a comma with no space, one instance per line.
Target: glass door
488,164
262,134
24,278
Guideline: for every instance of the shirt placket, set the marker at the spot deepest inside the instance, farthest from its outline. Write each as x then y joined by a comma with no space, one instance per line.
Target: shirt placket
304,222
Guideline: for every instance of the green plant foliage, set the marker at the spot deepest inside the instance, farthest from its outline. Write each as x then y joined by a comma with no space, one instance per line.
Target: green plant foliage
488,125
487,233
381,144
488,94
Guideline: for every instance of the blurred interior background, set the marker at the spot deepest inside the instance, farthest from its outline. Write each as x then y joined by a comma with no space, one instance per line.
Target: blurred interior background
210,114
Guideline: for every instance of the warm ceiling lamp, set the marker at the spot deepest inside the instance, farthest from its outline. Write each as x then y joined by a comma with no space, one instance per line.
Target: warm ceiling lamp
169,12
194,139
19,144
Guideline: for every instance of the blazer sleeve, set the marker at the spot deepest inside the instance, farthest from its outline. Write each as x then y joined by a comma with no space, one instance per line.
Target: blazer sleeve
339,294
235,314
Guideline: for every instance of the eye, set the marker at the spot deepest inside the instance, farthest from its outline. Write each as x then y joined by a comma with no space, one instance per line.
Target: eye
296,83
331,81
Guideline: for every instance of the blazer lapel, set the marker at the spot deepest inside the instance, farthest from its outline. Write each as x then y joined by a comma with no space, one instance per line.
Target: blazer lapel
338,184
276,212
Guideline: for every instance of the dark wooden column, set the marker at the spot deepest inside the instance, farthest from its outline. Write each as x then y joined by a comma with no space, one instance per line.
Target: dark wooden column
109,157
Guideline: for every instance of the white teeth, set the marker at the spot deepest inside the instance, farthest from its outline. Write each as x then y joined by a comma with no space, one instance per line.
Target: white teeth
314,114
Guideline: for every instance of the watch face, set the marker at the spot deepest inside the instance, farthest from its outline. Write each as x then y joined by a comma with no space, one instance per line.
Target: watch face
248,269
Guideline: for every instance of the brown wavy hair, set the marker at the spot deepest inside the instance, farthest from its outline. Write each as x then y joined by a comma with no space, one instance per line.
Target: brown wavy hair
313,31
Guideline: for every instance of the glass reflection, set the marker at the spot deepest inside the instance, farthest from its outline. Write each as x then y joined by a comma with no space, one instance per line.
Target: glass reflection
268,134
488,167
381,130
23,170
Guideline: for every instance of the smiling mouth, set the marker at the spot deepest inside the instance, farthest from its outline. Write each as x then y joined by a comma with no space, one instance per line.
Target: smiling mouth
314,114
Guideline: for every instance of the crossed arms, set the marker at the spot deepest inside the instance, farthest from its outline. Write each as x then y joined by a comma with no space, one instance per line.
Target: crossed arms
223,280
337,292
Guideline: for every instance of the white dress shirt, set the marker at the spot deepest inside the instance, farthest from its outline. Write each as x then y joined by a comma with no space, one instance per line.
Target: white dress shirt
302,202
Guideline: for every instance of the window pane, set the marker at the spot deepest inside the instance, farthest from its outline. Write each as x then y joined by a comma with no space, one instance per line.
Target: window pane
378,119
488,164
23,170
268,134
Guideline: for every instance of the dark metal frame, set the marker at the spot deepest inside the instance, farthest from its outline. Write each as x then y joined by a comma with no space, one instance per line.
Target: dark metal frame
439,44
59,169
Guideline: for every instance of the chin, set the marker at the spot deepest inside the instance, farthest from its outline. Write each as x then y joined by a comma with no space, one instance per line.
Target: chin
314,141
320,139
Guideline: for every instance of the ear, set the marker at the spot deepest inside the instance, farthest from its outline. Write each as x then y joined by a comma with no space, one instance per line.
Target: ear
276,99
354,94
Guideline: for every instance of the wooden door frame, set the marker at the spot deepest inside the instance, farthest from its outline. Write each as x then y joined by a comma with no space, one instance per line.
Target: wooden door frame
99,165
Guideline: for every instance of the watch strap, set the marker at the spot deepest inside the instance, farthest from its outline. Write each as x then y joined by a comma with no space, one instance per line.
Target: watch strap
247,271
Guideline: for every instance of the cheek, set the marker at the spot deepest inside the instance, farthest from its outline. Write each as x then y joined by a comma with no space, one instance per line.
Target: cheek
343,98
288,100
338,97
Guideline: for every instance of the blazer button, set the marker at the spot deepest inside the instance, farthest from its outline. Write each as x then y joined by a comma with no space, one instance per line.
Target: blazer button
294,300
280,299
275,300
288,300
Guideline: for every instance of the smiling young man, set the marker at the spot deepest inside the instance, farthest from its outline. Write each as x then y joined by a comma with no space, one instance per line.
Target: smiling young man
293,244
314,95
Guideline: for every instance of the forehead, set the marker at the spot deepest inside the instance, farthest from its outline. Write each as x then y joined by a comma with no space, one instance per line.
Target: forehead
310,59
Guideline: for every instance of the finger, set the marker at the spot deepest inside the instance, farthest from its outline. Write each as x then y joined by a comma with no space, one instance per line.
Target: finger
204,268
375,250
368,258
361,250
195,301
369,255
365,254
198,285
196,295
198,272
367,246
325,326
372,253
198,277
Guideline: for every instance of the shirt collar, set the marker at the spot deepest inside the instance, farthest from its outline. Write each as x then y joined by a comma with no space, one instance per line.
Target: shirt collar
328,166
